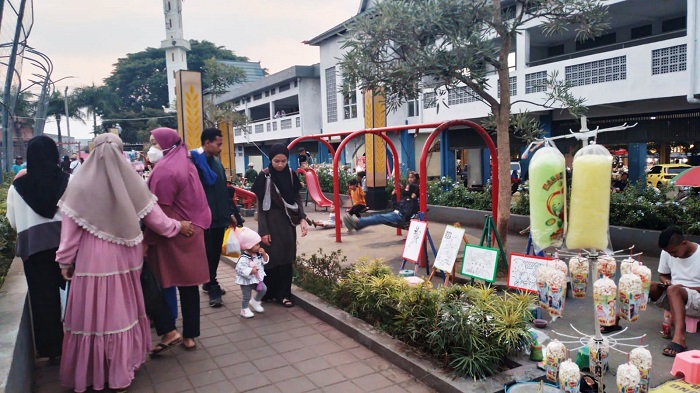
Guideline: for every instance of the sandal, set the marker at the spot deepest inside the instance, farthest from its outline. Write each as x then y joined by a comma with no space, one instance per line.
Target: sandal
673,349
188,347
610,329
162,347
286,303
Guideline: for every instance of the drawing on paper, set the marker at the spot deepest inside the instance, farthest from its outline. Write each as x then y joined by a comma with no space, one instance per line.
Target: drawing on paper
449,247
480,262
414,240
522,271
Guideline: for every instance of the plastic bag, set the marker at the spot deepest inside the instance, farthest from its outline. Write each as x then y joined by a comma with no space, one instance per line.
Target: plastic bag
589,214
231,247
547,198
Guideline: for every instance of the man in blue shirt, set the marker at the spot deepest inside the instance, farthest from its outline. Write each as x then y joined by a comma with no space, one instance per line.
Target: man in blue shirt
19,164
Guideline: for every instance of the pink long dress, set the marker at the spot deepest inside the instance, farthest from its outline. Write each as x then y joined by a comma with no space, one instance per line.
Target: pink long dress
107,333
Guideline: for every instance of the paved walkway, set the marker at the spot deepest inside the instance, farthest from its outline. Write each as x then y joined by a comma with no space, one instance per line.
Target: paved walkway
282,350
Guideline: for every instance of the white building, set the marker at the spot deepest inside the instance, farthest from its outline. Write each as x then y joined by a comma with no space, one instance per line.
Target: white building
644,70
281,107
175,45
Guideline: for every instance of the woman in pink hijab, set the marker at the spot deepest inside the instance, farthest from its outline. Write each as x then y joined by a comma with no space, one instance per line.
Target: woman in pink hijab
107,334
177,262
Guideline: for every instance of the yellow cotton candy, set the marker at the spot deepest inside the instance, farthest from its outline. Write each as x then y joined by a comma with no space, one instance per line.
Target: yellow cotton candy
590,199
547,197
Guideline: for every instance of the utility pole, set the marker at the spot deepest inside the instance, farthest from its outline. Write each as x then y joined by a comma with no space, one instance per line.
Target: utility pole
65,102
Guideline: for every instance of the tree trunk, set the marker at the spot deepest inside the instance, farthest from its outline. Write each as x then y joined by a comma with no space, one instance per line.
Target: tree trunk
94,123
58,127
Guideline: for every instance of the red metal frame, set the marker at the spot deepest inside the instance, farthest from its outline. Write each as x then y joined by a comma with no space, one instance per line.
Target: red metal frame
246,196
439,128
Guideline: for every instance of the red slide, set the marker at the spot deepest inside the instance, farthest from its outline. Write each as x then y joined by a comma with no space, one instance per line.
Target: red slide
314,187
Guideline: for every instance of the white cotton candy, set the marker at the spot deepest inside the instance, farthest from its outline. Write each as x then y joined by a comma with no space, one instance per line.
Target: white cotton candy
627,375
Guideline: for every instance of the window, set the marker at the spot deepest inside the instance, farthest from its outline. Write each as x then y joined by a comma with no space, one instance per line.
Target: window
259,128
536,82
274,125
269,127
512,85
284,87
168,6
296,83
672,59
172,55
331,96
267,93
429,100
413,108
641,32
257,96
555,50
605,39
600,71
285,124
655,170
461,95
298,121
673,24
273,91
350,103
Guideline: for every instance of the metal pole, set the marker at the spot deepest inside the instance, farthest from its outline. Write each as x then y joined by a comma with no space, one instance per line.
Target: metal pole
8,139
65,101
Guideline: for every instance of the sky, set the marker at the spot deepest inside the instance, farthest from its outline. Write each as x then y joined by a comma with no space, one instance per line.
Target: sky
84,38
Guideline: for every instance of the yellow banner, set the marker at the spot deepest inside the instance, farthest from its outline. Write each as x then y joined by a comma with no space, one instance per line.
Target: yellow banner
190,118
375,147
228,154
677,386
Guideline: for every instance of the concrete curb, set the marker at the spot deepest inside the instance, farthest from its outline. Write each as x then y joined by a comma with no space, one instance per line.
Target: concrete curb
405,356
16,343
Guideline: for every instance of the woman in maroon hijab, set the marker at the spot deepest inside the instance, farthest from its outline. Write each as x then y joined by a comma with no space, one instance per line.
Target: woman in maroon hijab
182,261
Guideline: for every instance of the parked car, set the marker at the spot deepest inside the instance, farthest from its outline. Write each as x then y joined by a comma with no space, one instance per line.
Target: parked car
663,173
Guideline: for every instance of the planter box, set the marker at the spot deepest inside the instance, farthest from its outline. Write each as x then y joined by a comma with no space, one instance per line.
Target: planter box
16,343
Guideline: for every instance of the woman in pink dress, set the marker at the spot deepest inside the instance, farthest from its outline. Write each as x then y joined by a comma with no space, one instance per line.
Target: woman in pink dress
107,334
177,262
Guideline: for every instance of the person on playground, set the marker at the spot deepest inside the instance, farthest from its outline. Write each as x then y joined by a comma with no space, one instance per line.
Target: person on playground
328,224
251,174
357,196
677,291
402,213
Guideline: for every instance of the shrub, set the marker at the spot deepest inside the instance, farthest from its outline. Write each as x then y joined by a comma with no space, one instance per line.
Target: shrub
319,273
7,234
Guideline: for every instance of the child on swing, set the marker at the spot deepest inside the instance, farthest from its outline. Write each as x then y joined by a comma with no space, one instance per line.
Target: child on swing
250,271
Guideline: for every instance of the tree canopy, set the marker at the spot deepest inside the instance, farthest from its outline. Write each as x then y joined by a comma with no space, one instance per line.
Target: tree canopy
140,79
402,47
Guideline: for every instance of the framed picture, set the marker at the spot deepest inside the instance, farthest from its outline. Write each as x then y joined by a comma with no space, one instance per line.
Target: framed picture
480,262
414,240
522,271
449,247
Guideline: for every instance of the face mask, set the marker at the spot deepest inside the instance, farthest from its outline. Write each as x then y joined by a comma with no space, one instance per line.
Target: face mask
154,155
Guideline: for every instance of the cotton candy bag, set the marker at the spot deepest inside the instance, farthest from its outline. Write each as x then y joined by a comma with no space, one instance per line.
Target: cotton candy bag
547,174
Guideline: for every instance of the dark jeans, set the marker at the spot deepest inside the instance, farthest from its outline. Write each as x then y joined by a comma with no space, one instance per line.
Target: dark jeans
213,238
279,282
355,210
44,280
383,218
189,306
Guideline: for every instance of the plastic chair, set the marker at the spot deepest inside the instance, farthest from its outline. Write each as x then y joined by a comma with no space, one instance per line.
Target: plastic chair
691,324
688,364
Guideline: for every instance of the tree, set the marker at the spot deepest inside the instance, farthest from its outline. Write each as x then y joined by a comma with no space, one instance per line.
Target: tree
403,46
57,109
219,77
97,101
140,79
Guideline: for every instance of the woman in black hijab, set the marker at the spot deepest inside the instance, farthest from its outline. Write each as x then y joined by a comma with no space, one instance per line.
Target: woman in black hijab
32,210
280,210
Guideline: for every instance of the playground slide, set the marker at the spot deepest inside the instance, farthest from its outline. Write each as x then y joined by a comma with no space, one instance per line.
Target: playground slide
314,187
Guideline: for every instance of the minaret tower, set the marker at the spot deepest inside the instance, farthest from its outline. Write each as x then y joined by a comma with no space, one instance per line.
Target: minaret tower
175,45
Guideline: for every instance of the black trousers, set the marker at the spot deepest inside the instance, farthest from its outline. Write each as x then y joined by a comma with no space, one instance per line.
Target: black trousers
356,210
213,238
279,282
44,280
189,307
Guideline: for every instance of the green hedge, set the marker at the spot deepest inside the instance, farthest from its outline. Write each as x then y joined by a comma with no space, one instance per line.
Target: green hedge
7,234
469,329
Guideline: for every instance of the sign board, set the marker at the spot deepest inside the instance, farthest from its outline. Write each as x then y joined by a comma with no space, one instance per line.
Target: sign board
190,115
414,240
449,247
522,271
480,262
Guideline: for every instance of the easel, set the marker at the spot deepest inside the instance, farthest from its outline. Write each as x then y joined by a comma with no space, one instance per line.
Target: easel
487,236
421,217
448,277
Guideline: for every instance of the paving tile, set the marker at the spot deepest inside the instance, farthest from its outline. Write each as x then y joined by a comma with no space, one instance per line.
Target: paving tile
312,365
296,385
199,366
144,389
334,334
362,352
239,370
343,387
211,342
165,371
174,386
302,331
391,389
326,377
276,337
184,356
415,387
250,381
266,389
282,374
230,359
259,353
210,332
270,362
372,382
242,335
219,387
396,375
207,378
250,343
232,328
347,342
378,363
228,320
356,370
220,350
299,355
288,345
339,358
314,339
326,348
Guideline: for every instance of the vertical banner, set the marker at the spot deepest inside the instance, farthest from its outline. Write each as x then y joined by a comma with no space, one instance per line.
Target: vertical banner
375,147
228,155
190,118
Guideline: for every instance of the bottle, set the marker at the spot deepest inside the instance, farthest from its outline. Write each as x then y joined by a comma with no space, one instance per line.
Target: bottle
666,326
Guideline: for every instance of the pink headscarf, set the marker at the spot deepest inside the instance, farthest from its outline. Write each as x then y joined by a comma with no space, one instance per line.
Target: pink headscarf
175,180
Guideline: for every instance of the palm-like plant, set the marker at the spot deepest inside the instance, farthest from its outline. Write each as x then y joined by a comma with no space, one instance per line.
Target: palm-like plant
57,110
97,101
